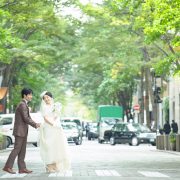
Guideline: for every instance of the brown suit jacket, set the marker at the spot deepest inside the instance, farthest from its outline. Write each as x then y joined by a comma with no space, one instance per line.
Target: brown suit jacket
22,120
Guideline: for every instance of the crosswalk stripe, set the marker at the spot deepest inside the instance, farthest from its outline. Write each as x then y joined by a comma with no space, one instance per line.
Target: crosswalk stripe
102,173
152,174
107,173
68,173
7,175
99,172
114,173
61,174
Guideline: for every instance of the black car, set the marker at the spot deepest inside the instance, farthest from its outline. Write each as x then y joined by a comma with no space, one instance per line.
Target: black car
132,133
92,133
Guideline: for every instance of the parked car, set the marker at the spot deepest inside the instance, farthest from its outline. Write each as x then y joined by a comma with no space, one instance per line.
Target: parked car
6,128
72,132
92,133
132,133
75,120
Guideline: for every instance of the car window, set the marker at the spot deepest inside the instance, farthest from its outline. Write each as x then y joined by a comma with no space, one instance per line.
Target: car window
110,121
118,127
69,126
93,125
6,121
125,128
144,128
133,127
77,121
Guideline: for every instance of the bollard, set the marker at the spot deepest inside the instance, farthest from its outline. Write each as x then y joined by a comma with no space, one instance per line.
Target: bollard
166,142
178,142
157,142
160,142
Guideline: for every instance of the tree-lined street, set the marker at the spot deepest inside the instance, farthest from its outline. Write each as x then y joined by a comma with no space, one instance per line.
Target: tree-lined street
103,161
122,53
101,51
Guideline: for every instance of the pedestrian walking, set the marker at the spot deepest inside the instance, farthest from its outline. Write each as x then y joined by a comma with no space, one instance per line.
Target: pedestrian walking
20,131
87,128
174,127
167,128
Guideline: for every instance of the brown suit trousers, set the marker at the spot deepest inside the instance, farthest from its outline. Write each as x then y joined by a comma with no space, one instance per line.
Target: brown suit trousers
20,131
20,151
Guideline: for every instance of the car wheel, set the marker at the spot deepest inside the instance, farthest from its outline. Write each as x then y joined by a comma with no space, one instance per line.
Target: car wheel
79,142
8,142
100,141
89,137
112,141
35,144
134,141
153,144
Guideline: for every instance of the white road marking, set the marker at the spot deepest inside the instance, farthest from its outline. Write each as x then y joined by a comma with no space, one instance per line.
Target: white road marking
102,173
61,174
114,173
99,172
7,175
52,175
107,173
68,173
152,174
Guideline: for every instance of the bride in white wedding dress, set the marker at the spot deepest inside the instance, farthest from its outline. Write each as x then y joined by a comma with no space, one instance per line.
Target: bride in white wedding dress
53,142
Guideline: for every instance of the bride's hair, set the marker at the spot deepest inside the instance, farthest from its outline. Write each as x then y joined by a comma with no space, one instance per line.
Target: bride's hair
48,94
43,104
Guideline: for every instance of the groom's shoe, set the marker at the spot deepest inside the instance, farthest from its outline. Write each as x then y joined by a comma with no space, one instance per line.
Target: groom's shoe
25,171
9,170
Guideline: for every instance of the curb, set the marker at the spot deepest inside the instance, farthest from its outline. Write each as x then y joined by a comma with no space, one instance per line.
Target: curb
170,152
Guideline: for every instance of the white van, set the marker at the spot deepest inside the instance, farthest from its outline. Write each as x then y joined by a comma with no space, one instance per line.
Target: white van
7,123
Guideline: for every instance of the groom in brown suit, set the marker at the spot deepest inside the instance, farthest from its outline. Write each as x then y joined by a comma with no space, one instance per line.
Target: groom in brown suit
20,131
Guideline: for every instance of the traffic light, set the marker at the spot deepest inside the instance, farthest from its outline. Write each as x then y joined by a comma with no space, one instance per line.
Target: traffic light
157,99
158,90
157,95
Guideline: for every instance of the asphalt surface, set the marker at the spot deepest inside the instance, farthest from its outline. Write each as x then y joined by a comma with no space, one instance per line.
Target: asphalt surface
93,161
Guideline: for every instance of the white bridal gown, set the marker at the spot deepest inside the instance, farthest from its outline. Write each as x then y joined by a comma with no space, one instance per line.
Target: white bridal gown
53,142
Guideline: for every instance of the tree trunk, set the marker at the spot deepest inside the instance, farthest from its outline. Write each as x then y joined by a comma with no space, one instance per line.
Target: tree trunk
146,86
142,97
7,74
146,100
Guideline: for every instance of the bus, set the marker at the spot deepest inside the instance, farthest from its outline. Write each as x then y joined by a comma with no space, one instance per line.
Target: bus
108,115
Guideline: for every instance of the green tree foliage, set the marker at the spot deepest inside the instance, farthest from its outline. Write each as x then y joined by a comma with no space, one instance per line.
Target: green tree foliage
36,42
157,22
105,50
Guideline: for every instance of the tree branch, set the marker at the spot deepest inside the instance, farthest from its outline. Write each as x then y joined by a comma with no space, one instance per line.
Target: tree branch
164,52
29,33
9,4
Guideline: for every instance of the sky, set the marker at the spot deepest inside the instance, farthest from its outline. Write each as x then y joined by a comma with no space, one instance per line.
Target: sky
75,12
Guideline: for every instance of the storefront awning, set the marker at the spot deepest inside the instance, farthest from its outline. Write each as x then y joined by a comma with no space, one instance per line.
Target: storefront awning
3,92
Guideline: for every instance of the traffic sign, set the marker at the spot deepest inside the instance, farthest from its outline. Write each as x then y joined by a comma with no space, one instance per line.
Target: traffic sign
136,107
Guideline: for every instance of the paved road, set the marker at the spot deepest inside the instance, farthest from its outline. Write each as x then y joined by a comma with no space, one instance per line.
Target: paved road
103,161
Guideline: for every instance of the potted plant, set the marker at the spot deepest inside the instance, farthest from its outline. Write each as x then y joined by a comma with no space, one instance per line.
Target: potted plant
1,141
172,140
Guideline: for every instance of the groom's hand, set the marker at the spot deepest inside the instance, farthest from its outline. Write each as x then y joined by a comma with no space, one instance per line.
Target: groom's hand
38,125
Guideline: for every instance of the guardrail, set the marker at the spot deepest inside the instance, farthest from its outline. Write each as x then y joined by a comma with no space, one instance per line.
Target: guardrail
163,143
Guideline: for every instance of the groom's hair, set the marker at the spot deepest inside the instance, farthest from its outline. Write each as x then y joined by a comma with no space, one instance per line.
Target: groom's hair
26,91
49,94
